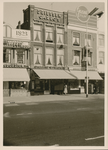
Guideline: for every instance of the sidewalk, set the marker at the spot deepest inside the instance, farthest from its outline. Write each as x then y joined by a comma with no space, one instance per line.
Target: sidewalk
46,98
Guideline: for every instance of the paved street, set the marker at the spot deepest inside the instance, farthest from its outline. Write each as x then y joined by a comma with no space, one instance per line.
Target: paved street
67,121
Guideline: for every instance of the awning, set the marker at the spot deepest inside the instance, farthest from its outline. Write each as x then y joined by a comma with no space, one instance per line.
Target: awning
53,74
15,74
93,75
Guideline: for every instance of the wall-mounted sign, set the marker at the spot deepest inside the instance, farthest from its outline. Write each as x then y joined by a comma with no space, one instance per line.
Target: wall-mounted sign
20,34
16,44
82,14
48,16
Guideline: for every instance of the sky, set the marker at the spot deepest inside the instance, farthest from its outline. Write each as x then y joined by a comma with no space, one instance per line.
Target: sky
13,11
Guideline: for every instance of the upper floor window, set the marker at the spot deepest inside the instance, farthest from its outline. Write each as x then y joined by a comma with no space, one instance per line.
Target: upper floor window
7,56
20,56
89,58
37,55
37,33
7,31
101,40
60,36
88,41
49,56
60,57
49,34
101,57
76,58
76,39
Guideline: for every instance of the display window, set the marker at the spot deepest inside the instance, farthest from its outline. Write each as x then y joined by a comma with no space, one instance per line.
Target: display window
17,85
20,56
6,56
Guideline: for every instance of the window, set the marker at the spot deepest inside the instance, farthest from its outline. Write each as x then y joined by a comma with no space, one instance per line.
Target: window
37,56
49,34
49,56
101,57
76,58
20,56
60,36
89,58
88,40
60,57
76,39
7,56
37,33
101,40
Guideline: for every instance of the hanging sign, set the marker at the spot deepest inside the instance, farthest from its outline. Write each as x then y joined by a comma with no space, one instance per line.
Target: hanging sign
82,14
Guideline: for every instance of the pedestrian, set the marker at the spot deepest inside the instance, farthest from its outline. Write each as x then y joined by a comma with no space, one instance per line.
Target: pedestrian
65,89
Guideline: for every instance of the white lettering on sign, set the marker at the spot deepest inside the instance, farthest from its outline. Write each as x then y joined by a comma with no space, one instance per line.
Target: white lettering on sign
82,14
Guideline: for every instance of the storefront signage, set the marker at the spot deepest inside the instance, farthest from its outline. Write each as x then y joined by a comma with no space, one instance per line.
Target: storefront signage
16,44
44,15
21,34
82,14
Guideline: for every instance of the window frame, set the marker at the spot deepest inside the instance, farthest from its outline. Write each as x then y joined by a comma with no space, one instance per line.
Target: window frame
58,33
39,54
9,53
37,31
79,38
79,58
46,31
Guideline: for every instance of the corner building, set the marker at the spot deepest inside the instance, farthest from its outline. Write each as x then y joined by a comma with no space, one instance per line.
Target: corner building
48,57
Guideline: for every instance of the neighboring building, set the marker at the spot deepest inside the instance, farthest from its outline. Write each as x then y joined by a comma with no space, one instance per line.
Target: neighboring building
48,50
78,34
101,51
16,49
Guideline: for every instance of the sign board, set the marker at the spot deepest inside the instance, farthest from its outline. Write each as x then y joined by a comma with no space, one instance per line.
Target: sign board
16,44
82,14
21,34
48,16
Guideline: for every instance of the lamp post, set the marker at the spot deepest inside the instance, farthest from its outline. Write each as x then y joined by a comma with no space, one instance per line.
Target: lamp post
83,16
90,14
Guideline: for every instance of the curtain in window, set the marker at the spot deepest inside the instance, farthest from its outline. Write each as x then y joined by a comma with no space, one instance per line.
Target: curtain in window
76,39
60,60
37,56
49,56
37,35
59,38
49,37
88,41
101,57
76,59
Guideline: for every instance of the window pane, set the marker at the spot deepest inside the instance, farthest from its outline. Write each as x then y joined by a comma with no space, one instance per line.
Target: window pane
49,59
6,56
37,36
20,56
37,59
60,60
60,38
76,59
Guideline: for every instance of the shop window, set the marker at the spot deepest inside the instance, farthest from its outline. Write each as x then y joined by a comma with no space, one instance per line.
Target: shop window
76,39
76,58
38,84
49,34
37,33
101,57
89,58
60,36
17,85
60,57
74,84
38,56
7,56
20,56
49,56
88,40
101,40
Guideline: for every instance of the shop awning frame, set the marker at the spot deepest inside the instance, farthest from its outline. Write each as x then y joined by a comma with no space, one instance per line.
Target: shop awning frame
15,74
53,74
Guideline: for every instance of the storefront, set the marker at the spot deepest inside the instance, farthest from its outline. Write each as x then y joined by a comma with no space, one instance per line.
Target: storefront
49,81
15,82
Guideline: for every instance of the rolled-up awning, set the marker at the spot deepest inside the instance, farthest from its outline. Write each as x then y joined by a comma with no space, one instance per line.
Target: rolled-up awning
15,74
93,75
53,74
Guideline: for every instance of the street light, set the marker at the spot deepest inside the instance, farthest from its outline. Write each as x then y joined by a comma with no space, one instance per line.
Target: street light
89,14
